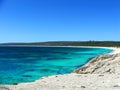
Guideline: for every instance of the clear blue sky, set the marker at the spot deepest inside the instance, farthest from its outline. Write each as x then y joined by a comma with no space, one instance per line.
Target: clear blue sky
59,20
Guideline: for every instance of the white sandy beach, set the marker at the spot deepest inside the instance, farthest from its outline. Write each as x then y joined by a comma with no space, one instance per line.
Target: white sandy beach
101,73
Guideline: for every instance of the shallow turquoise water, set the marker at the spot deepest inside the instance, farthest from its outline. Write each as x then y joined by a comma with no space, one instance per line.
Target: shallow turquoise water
27,64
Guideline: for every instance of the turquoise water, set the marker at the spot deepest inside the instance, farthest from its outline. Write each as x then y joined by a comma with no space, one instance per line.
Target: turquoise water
27,64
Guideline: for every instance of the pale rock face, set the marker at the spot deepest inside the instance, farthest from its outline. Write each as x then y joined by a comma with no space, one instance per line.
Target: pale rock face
105,64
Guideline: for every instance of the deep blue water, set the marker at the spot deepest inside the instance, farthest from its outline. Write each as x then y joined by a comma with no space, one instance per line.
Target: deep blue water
27,64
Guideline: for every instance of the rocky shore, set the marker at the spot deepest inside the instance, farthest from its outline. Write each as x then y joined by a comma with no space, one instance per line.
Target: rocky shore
105,64
101,73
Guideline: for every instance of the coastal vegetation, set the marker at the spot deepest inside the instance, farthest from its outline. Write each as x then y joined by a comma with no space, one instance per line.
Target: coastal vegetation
71,43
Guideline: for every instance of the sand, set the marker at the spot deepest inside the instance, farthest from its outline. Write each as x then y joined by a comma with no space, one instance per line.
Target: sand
101,73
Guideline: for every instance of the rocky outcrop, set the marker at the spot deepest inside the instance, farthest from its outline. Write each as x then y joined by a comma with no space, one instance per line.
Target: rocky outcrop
105,64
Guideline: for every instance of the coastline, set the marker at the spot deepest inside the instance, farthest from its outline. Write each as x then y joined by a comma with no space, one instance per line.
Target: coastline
63,81
101,64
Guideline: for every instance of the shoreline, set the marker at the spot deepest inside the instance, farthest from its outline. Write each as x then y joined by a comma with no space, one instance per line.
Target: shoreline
98,62
37,83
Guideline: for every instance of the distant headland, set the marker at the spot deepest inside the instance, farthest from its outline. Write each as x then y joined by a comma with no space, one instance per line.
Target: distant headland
67,43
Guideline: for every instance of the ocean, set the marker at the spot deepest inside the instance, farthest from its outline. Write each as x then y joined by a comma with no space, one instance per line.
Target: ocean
27,64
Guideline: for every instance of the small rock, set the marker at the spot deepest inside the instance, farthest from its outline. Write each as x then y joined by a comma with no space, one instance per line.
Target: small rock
83,87
63,86
116,86
101,75
15,83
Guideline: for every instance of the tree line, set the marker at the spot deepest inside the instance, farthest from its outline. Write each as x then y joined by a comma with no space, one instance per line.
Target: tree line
71,43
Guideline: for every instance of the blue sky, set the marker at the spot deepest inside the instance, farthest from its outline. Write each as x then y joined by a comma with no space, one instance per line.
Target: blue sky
59,20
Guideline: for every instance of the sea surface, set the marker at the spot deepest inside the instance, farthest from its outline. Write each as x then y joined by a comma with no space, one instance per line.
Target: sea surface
27,64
